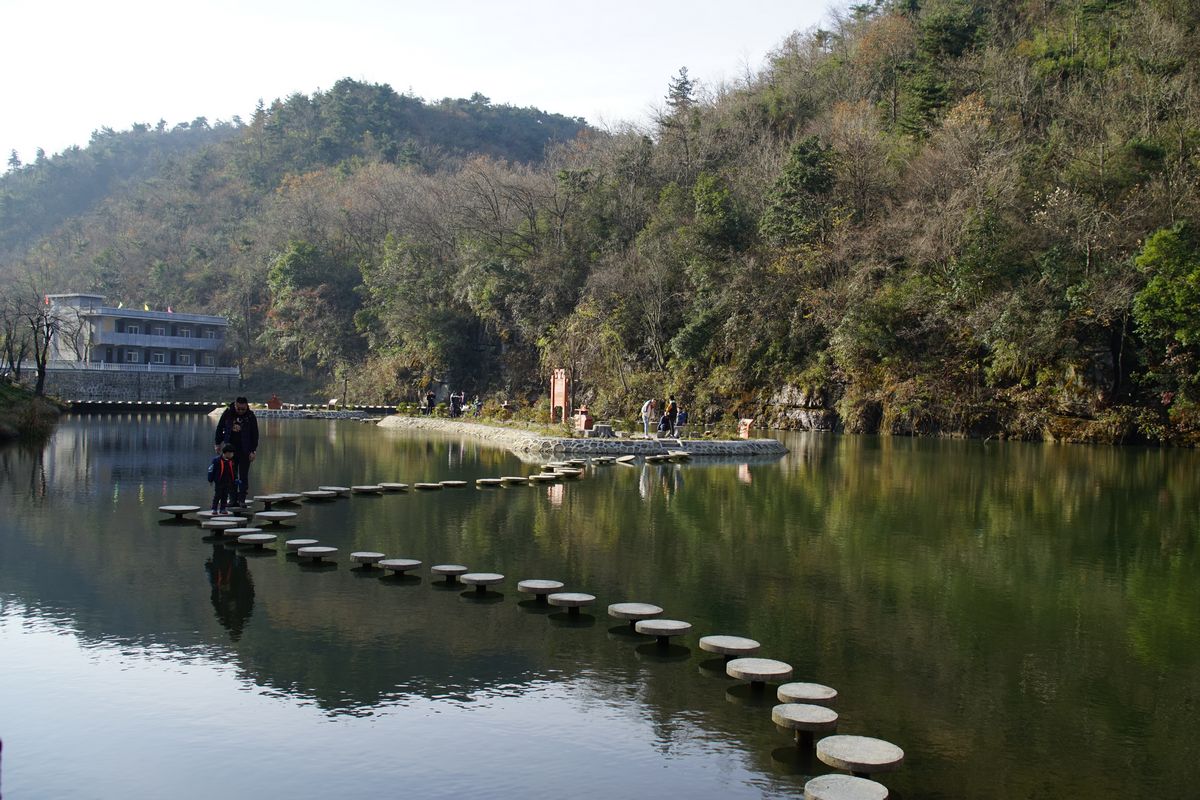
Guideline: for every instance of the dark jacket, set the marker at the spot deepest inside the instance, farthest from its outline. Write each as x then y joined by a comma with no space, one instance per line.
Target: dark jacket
222,472
246,439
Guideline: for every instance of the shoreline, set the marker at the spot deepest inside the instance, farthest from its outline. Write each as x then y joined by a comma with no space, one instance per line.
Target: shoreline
529,443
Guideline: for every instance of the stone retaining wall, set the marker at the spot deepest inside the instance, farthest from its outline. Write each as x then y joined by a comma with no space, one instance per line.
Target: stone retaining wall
98,385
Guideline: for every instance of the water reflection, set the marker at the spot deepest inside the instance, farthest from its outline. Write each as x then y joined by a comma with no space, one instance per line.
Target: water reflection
1017,617
232,588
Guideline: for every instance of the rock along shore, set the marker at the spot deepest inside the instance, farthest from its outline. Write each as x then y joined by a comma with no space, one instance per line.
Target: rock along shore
531,443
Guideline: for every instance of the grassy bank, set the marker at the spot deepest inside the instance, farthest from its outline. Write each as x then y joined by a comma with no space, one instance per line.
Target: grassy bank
24,416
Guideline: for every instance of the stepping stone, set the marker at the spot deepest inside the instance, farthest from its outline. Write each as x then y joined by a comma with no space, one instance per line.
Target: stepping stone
296,544
844,787
576,462
758,670
241,531
679,455
513,479
572,601
488,481
569,472
539,588
602,460
663,629
394,487
399,565
256,539
428,487
812,693
211,514
344,491
275,517
219,524
634,612
626,459
319,494
860,755
482,580
805,720
228,518
179,511
316,553
551,467
454,484
450,571
366,558
729,646
289,497
367,489
545,477
268,500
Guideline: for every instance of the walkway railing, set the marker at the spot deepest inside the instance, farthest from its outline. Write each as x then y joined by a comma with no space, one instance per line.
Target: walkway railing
100,366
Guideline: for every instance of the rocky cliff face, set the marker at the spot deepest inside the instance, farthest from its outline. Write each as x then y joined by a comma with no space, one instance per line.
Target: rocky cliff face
800,408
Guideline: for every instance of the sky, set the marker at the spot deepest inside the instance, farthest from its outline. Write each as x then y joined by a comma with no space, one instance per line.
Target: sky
70,67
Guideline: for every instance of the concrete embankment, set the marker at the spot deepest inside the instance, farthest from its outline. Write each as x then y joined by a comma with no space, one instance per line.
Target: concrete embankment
531,443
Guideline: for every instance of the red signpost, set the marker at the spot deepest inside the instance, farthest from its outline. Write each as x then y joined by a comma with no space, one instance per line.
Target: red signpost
559,395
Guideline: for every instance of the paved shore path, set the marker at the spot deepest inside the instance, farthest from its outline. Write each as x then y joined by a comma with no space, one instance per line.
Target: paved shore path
529,443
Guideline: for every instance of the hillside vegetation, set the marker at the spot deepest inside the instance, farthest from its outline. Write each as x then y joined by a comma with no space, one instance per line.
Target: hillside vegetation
925,217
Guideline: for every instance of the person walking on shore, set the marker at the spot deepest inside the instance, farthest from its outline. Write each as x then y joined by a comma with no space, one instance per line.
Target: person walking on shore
647,415
239,427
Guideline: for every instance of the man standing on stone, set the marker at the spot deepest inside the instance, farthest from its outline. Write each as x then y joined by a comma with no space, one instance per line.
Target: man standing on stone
239,427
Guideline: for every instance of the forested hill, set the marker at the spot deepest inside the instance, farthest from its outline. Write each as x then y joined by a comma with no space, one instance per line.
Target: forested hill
351,121
928,216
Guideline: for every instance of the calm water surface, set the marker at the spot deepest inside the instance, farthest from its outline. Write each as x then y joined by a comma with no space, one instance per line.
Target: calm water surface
1024,620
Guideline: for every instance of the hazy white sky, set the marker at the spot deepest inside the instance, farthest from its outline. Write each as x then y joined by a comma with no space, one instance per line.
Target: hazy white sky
70,67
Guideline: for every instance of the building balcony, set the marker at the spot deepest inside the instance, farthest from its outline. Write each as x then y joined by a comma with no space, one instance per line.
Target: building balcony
171,369
158,342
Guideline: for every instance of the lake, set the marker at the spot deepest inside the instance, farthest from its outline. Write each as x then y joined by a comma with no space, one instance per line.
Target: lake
1022,619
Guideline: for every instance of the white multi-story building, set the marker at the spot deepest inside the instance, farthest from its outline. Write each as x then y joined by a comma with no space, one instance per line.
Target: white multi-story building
93,336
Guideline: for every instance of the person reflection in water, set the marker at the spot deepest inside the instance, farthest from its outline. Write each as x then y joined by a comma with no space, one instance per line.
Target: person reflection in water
232,589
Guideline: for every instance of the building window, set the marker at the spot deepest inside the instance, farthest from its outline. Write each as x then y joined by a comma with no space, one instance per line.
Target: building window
132,328
159,330
158,358
210,333
133,356
209,360
184,359
185,333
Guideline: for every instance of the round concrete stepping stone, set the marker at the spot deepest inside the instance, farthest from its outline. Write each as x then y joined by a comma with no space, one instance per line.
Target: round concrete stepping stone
289,497
539,588
634,612
399,565
576,462
844,787
454,484
545,477
219,524
449,571
569,472
258,540
241,531
428,487
628,458
679,455
572,601
860,755
372,488
488,481
275,517
805,720
729,646
482,580
316,553
366,557
602,460
551,467
179,511
812,693
230,518
663,629
394,487
758,670
209,514
268,500
513,479
296,544
319,494
344,491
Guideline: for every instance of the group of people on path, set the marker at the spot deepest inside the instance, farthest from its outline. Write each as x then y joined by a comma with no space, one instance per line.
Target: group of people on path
458,404
236,443
668,423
